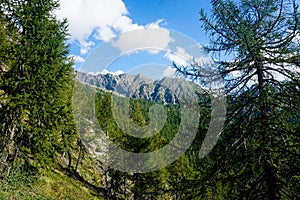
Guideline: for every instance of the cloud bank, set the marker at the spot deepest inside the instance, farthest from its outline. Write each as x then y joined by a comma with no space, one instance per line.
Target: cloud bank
97,19
102,20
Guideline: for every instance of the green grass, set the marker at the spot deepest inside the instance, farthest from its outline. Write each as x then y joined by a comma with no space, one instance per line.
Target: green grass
53,185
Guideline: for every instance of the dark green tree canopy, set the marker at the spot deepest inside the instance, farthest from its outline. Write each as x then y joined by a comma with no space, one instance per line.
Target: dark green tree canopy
37,85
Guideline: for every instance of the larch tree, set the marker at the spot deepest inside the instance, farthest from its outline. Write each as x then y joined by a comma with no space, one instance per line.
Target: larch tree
255,44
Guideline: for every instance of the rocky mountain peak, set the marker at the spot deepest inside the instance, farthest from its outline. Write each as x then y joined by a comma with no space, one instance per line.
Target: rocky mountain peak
166,90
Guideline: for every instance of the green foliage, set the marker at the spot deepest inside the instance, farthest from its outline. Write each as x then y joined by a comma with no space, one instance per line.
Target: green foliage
160,184
2,36
253,159
36,119
138,110
257,156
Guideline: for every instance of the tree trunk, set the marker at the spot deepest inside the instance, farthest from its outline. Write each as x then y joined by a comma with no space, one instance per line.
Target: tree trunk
70,160
272,182
269,170
78,159
8,149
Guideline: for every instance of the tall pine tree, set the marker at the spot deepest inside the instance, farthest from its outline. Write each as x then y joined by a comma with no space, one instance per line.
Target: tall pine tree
36,117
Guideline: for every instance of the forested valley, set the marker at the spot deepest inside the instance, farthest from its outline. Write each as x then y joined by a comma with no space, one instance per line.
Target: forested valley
257,156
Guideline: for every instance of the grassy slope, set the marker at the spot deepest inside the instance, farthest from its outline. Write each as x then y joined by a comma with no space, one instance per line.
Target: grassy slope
53,185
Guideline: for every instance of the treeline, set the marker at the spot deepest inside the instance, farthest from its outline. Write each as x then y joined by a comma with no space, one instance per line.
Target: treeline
257,155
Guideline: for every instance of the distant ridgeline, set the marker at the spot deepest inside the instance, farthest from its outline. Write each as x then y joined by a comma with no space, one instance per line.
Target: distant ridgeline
167,90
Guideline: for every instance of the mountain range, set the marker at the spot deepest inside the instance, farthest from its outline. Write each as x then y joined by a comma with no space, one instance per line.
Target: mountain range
165,90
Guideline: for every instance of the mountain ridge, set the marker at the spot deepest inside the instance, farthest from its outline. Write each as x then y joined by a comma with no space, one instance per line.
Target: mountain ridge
166,90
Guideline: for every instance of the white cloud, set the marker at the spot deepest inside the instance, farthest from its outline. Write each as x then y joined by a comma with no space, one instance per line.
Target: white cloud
105,71
180,57
287,68
204,60
119,72
156,24
86,15
101,19
124,24
153,40
169,72
105,34
85,46
77,59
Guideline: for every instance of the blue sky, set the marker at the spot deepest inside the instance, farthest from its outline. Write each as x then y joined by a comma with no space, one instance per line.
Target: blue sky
100,43
179,15
99,22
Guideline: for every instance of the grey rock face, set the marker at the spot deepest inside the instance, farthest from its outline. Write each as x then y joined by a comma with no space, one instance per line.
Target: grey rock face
166,90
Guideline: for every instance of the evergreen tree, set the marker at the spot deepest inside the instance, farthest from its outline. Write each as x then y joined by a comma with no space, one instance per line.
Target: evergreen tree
255,45
36,119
